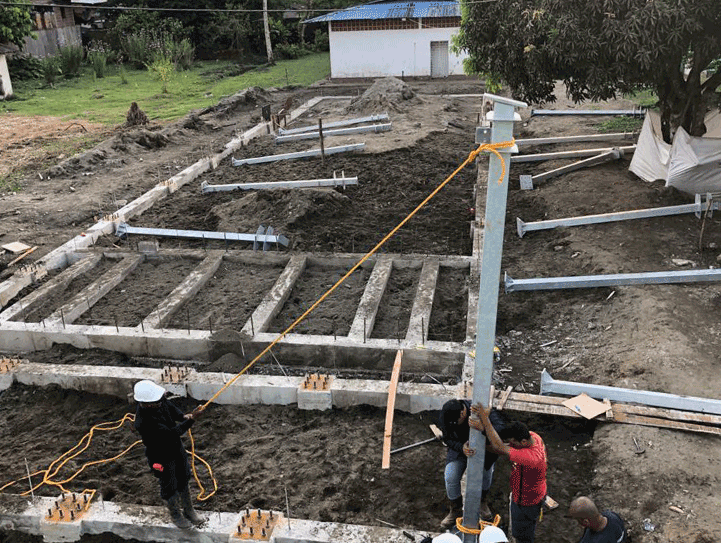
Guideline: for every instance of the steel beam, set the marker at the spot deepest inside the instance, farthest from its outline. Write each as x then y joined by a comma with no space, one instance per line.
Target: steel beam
339,132
334,182
300,154
615,154
574,139
697,208
261,236
334,124
570,154
644,397
613,280
558,112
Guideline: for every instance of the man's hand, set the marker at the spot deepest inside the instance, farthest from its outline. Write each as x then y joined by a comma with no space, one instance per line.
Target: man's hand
476,423
467,449
195,415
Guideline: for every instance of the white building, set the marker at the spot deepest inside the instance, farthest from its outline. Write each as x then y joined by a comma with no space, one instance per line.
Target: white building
394,39
6,88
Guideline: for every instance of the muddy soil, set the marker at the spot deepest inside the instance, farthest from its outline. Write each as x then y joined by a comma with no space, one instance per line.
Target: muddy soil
329,462
394,311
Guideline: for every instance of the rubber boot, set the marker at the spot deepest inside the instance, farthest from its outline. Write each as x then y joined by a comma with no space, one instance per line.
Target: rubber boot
176,513
455,512
188,510
486,513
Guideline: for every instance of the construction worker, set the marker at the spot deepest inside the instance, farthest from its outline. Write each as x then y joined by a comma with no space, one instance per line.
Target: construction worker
161,425
527,452
453,423
606,527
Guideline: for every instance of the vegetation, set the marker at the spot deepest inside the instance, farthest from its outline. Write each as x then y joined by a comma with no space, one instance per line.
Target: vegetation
600,48
15,24
107,100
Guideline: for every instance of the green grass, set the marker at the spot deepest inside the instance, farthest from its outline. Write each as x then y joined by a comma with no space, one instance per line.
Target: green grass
107,100
621,124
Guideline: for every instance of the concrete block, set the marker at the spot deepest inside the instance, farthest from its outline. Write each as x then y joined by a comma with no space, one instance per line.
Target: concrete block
319,400
60,532
149,247
6,380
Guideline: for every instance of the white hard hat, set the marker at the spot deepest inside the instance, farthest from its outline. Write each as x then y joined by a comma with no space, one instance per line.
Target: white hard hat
446,538
492,534
147,391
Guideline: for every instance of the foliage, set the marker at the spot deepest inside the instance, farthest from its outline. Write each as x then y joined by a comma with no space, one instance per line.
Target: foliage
291,50
321,41
621,124
186,90
15,24
51,70
24,67
600,48
162,69
71,59
97,55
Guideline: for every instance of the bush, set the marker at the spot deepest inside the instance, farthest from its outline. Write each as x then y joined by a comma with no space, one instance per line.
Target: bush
97,55
71,58
24,67
51,70
162,69
321,41
291,51
182,53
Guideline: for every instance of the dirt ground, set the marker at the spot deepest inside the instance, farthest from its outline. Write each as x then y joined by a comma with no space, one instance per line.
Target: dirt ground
663,338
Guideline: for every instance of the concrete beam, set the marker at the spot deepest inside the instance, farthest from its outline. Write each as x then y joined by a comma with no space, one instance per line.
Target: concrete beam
60,281
184,291
276,297
365,316
423,303
89,296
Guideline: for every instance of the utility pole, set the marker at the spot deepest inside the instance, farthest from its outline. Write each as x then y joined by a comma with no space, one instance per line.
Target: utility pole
266,29
504,115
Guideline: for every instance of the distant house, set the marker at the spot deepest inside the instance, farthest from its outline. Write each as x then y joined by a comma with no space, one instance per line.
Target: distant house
394,39
56,25
6,88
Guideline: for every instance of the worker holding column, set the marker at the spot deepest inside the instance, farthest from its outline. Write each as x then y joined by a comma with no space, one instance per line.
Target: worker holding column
161,425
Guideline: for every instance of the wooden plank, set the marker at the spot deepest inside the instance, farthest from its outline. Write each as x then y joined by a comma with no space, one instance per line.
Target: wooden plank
386,462
609,409
504,398
436,432
664,423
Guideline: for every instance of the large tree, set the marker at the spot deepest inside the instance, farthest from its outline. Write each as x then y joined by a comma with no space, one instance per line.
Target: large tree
15,24
600,48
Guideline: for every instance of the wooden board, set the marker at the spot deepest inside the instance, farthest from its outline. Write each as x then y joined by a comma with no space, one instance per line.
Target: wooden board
386,462
15,247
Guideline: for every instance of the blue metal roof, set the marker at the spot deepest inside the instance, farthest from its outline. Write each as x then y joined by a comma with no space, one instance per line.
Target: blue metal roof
393,10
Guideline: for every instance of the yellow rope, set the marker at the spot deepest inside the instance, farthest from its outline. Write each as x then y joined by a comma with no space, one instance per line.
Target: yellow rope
482,524
84,443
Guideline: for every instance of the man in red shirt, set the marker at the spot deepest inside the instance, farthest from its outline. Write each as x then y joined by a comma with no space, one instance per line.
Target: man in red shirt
527,452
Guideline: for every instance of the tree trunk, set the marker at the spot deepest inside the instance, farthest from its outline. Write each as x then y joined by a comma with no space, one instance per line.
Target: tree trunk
266,28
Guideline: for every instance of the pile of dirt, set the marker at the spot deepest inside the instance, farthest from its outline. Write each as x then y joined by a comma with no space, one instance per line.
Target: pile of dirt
240,101
389,93
136,116
279,208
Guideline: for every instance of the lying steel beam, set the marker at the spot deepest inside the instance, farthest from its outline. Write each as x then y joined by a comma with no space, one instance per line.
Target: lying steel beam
261,236
574,139
569,154
612,280
527,181
334,124
339,132
627,112
655,399
697,208
334,182
300,154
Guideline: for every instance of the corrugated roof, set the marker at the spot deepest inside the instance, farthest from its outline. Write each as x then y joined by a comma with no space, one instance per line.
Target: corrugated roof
393,10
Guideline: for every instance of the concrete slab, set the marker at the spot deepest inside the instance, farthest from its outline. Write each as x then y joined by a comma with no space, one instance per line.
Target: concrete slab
423,302
367,311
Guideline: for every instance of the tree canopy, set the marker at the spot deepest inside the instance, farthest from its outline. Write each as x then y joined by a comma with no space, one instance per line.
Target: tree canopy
600,48
15,24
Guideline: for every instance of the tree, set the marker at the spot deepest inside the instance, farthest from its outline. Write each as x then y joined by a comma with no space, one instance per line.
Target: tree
266,29
600,48
15,24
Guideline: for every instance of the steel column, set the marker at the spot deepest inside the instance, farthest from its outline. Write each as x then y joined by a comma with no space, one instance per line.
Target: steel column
613,280
335,124
259,237
559,112
501,131
339,132
626,395
570,154
300,154
334,182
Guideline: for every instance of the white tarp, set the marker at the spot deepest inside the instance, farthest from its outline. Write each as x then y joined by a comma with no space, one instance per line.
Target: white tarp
690,164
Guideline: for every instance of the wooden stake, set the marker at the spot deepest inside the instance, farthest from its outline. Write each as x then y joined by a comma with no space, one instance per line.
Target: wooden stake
26,253
386,462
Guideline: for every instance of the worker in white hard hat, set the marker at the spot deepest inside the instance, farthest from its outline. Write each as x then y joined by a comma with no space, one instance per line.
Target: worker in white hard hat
161,425
492,534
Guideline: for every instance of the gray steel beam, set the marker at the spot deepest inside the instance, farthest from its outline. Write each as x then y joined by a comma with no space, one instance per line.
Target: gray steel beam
613,280
549,385
300,154
559,112
334,182
334,124
697,208
615,154
538,157
574,139
339,132
259,237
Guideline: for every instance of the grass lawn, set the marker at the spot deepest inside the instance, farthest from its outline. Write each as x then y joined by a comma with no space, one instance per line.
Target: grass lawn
107,100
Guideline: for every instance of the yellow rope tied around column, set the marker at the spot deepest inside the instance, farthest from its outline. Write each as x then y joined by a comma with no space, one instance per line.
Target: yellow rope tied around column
481,524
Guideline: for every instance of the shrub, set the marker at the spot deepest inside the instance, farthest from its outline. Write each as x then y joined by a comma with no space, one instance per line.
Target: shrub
24,67
97,55
182,53
51,70
291,51
321,41
71,58
162,69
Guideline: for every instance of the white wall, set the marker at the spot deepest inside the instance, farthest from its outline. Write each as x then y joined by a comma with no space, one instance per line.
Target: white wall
6,89
380,53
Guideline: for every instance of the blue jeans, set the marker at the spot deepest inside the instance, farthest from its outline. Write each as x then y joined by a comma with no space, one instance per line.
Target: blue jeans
454,473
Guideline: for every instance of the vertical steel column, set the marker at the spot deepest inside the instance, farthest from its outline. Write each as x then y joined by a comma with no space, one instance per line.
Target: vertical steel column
504,116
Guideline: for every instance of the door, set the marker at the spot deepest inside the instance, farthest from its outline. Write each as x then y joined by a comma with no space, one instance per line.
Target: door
439,59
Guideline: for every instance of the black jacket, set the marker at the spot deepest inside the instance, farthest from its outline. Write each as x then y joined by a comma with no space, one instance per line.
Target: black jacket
456,435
